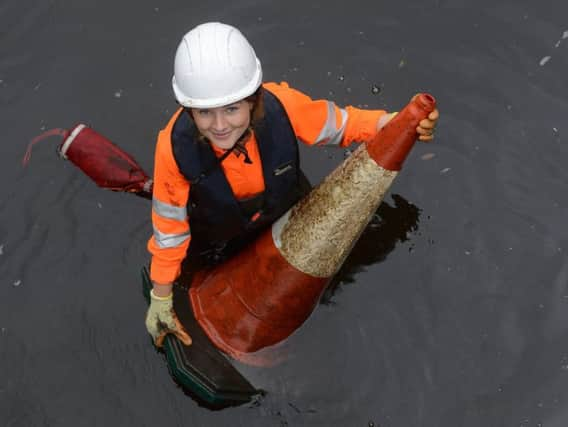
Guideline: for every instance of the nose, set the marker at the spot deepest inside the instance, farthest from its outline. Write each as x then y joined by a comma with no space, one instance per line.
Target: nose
219,122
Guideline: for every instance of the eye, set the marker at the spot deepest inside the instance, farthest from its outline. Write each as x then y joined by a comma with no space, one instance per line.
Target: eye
232,108
203,112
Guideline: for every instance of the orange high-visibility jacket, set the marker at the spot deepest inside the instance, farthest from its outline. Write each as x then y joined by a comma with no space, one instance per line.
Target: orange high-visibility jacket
318,122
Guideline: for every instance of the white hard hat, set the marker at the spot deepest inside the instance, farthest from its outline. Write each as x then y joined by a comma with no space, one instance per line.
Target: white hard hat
214,66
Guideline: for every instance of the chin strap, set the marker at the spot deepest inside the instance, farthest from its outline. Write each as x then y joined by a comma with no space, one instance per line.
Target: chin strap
239,149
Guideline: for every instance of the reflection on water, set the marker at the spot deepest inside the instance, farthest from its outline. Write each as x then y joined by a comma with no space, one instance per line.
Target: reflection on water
390,225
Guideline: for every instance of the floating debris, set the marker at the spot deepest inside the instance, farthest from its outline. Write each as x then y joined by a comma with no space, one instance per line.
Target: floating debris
17,283
428,156
1,249
544,60
100,205
555,130
375,89
118,93
341,78
564,36
402,63
445,170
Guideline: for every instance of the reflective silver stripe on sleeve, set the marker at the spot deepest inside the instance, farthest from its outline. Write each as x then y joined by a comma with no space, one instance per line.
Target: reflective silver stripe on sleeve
330,134
166,210
164,240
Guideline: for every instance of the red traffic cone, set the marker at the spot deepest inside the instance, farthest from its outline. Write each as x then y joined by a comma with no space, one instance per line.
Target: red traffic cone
101,160
104,162
263,294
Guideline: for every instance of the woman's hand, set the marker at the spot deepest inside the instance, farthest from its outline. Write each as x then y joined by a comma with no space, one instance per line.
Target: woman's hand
161,318
427,126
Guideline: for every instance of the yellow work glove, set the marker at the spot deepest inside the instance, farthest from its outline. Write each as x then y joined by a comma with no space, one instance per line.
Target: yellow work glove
161,320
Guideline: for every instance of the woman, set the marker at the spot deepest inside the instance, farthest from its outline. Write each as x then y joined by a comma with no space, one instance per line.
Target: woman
227,162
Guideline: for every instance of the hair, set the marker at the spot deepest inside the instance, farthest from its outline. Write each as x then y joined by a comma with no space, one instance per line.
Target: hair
256,115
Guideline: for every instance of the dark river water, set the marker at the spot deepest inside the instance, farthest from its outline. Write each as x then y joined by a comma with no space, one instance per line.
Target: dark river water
453,309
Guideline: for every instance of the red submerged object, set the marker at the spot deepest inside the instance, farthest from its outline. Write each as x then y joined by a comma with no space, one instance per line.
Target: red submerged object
104,162
101,160
263,294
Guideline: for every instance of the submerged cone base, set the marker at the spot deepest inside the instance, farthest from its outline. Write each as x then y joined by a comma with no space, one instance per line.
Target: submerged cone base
200,369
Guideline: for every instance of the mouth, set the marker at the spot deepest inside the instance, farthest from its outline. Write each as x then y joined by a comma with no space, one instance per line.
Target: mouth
223,135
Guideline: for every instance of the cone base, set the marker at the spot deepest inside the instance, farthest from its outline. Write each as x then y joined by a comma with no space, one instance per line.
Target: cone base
200,369
254,300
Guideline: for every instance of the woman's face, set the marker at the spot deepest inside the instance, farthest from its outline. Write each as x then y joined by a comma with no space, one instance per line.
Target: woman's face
223,126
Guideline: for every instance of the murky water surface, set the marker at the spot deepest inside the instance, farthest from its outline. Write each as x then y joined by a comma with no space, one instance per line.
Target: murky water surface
453,309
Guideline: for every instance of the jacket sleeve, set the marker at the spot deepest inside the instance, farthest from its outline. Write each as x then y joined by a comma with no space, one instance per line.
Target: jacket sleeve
321,122
171,237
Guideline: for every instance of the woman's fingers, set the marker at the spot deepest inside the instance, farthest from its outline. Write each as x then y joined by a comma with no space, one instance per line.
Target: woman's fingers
427,126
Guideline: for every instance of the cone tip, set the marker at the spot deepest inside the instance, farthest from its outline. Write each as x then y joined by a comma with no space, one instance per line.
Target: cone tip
426,101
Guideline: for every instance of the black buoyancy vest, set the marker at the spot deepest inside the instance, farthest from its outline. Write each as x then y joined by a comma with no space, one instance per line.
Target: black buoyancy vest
216,216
